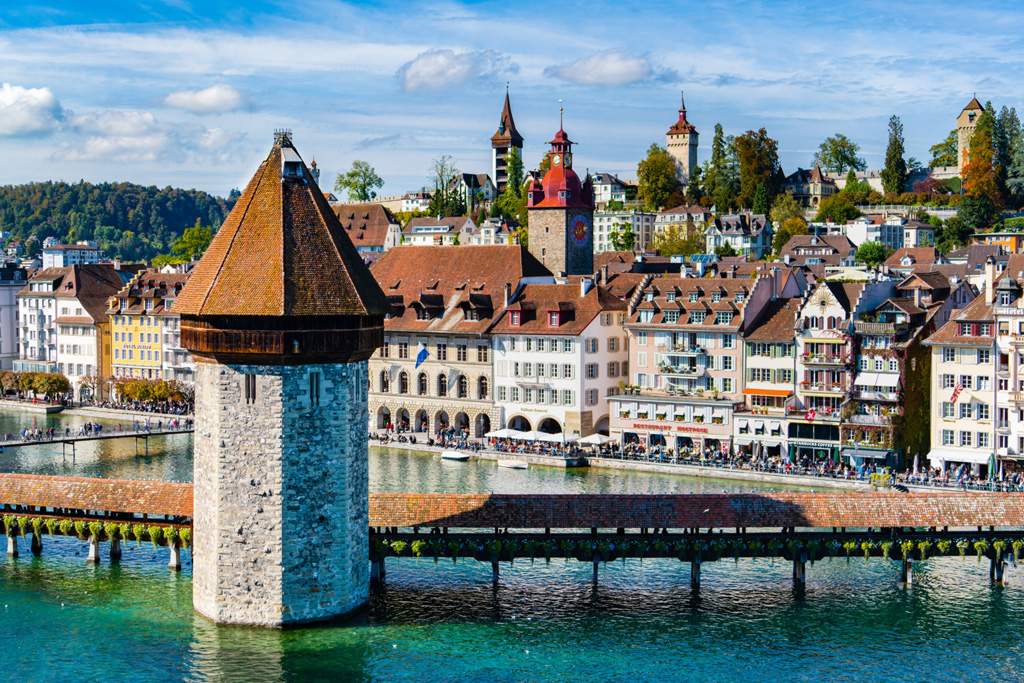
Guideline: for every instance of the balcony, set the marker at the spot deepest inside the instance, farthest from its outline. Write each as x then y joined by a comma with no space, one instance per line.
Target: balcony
880,328
823,388
823,359
869,419
684,351
820,415
869,395
1017,397
681,370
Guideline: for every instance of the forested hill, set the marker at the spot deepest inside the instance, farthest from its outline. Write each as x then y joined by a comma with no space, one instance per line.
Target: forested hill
129,221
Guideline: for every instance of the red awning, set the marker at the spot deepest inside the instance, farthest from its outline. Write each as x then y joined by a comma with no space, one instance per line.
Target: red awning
768,392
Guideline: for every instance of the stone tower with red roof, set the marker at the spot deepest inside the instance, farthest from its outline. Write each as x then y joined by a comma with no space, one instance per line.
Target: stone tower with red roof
561,214
502,142
681,142
966,124
281,316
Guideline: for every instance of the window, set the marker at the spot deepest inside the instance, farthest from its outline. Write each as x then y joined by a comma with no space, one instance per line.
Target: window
641,359
552,318
726,363
250,388
314,388
591,345
965,438
403,383
948,381
463,387
385,351
1004,441
641,338
442,351
527,369
567,371
567,398
786,376
879,364
984,383
502,394
515,394
513,318
529,344
442,384
698,317
723,319
540,369
894,365
984,356
728,340
553,370
384,381
567,346
591,370
965,381
422,386
864,363
481,388
542,345
591,397
613,344
403,349
965,411
982,440
461,353
727,385
613,369
949,355
481,354
983,412
948,409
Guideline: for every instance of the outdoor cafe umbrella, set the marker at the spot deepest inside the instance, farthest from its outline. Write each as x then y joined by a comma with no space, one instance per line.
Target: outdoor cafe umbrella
560,437
595,439
992,467
915,464
524,436
502,433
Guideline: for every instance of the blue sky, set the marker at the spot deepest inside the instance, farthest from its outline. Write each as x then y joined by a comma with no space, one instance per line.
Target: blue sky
188,92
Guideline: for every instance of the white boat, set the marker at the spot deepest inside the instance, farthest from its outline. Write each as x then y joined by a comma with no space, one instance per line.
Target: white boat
513,464
454,455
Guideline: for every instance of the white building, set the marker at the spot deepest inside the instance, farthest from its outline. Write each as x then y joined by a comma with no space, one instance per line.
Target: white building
895,232
559,351
62,255
434,232
607,222
415,201
748,234
12,279
609,187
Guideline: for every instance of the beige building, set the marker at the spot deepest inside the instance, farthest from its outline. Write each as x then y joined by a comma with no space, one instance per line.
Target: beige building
965,125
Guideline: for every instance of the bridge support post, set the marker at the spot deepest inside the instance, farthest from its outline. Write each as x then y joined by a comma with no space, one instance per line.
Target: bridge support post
495,570
175,560
907,572
115,550
597,561
695,572
37,545
377,568
800,568
997,569
94,550
12,546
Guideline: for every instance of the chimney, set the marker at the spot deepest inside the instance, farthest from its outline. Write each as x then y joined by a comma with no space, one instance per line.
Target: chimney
508,293
117,264
785,259
560,278
990,279
732,271
604,274
585,284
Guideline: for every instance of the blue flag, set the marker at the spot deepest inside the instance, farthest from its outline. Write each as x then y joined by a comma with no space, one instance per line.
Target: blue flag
421,355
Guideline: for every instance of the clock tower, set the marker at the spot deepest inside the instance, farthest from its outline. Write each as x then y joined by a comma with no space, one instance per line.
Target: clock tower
561,214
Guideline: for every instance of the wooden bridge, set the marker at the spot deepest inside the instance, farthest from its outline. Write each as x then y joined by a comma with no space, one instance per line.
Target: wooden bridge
102,435
800,527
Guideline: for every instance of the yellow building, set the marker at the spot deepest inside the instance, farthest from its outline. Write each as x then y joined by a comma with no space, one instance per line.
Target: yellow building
138,316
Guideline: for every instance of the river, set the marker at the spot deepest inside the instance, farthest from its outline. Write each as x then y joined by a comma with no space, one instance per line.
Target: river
67,621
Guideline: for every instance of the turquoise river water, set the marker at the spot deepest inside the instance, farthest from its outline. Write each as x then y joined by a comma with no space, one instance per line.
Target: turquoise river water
66,621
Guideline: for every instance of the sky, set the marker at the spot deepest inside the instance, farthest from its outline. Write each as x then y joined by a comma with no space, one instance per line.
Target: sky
188,93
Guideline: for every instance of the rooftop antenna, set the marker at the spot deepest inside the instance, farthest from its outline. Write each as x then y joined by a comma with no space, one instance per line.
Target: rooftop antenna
561,125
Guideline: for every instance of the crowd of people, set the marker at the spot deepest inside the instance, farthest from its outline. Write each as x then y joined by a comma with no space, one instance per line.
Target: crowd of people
161,408
96,429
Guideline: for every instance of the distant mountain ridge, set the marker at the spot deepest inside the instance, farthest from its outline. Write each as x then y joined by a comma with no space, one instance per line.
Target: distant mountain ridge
129,221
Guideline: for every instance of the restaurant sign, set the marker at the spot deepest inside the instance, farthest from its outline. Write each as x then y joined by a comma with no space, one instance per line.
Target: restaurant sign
669,428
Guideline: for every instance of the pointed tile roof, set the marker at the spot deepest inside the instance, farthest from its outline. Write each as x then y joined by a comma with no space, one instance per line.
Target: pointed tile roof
507,135
282,252
973,104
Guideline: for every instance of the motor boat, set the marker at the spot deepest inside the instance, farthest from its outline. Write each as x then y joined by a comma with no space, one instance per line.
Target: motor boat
454,455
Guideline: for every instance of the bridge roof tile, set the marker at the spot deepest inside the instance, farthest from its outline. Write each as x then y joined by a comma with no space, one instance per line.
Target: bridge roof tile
107,495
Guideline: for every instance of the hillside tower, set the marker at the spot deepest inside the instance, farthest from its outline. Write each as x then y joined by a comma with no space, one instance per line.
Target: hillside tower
681,142
502,142
281,316
965,125
561,214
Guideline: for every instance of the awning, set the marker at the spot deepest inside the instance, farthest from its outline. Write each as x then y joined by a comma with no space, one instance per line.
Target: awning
768,392
867,379
968,455
865,454
888,380
771,444
741,424
758,424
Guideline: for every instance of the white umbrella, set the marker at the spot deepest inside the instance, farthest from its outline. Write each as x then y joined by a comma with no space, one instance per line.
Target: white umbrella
595,439
560,437
915,464
524,436
502,433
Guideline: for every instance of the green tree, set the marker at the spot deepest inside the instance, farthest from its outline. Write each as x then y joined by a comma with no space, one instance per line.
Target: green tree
446,199
977,211
761,200
622,237
360,182
784,208
872,253
944,153
788,229
545,164
725,250
614,205
894,175
693,189
953,235
1015,173
838,153
853,185
673,241
758,157
193,242
514,169
838,208
656,177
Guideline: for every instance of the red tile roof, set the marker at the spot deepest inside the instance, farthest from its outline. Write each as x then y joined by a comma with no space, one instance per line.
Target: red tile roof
106,495
366,224
575,312
281,252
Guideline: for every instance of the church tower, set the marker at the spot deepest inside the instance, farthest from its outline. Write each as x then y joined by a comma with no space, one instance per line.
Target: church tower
281,316
965,125
681,142
561,214
502,143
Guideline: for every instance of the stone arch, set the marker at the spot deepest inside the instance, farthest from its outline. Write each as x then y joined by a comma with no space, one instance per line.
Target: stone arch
602,425
423,384
422,421
383,417
461,423
549,425
520,423
483,425
482,388
441,421
402,420
403,382
442,384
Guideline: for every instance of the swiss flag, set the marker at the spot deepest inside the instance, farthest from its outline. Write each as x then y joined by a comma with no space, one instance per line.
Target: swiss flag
810,415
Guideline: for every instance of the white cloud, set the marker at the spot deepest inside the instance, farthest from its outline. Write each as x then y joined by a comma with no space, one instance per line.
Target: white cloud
611,67
137,136
215,99
444,69
28,111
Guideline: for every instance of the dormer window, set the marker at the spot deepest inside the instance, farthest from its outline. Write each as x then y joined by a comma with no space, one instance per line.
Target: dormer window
716,297
149,304
513,318
670,297
552,318
422,314
1004,298
124,303
693,297
740,296
649,296
292,168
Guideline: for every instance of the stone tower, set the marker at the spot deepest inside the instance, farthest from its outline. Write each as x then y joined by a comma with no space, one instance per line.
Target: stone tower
502,143
281,316
965,125
681,142
561,214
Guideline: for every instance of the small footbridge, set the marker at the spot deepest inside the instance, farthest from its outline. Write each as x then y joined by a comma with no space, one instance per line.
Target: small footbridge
66,439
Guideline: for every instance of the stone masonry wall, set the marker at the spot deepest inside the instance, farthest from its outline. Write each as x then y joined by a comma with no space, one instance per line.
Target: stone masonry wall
281,494
551,240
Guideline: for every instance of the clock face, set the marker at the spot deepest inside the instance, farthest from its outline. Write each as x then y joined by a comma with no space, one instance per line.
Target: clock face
568,161
556,160
580,230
